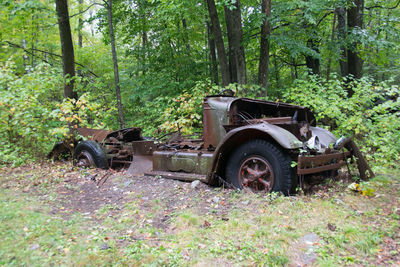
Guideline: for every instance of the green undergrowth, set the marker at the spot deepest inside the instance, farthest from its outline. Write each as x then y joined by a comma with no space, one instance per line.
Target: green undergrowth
31,236
257,230
370,115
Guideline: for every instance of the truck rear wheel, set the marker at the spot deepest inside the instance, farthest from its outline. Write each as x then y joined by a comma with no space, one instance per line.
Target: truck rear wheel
90,154
260,166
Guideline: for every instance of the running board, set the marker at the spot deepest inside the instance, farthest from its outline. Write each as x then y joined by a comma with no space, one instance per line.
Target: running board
178,176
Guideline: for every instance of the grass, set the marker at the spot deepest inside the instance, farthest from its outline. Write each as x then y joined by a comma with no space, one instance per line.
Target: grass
259,230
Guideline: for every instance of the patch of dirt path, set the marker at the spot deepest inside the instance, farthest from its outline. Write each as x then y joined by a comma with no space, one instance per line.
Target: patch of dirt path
115,190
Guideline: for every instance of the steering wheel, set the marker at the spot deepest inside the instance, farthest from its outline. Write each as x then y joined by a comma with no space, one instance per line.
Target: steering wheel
226,92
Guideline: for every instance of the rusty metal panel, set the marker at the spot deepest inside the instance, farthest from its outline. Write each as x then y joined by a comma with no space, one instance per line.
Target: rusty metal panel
178,176
320,163
278,120
255,109
145,147
93,134
215,116
126,135
182,161
333,166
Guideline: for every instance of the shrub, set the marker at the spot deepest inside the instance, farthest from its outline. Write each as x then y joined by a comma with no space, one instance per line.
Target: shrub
34,115
371,115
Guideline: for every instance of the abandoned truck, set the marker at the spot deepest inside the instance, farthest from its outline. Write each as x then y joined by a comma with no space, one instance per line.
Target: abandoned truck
262,145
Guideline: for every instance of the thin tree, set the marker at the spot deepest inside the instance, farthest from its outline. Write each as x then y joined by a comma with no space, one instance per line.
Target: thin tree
213,56
341,17
237,59
263,64
67,48
328,65
143,22
355,23
80,25
312,62
219,42
115,61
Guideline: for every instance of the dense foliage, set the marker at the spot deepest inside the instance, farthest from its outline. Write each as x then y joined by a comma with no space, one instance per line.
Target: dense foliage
34,116
371,115
166,68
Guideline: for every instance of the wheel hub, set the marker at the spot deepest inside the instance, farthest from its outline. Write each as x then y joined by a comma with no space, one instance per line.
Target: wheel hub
85,159
257,174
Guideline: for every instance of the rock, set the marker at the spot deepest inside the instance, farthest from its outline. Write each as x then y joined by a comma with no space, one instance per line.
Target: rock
34,246
303,251
104,246
309,238
127,183
195,184
91,177
215,199
339,201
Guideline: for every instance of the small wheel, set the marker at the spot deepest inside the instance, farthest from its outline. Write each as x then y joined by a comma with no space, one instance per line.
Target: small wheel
90,154
260,166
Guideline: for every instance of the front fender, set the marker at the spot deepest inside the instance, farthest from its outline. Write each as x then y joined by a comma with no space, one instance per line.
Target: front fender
240,135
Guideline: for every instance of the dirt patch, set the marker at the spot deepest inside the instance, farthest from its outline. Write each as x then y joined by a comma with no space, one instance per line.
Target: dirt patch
113,191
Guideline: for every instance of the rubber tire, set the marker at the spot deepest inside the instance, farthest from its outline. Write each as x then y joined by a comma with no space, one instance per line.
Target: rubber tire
285,180
95,150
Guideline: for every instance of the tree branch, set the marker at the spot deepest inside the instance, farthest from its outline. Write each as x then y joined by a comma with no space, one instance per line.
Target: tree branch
258,28
323,17
378,6
290,63
42,51
81,12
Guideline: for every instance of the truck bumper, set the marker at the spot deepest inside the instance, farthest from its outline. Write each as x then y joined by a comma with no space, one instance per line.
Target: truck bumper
335,159
319,163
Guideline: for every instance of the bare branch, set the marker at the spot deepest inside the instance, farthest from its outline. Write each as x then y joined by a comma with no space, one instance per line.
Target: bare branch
50,53
81,12
323,17
378,6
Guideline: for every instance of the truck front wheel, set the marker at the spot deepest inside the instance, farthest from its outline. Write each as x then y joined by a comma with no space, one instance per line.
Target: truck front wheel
90,154
260,166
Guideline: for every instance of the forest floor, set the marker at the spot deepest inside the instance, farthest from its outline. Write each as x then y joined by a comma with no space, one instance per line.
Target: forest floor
56,214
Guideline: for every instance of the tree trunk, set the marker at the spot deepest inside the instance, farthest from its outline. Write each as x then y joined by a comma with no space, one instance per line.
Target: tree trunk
231,49
341,17
277,78
186,36
143,33
33,43
312,62
80,25
219,42
115,61
213,56
235,38
67,48
263,65
25,57
328,67
355,22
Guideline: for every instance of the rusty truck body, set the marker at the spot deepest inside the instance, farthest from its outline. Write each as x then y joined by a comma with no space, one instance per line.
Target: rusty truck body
266,146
